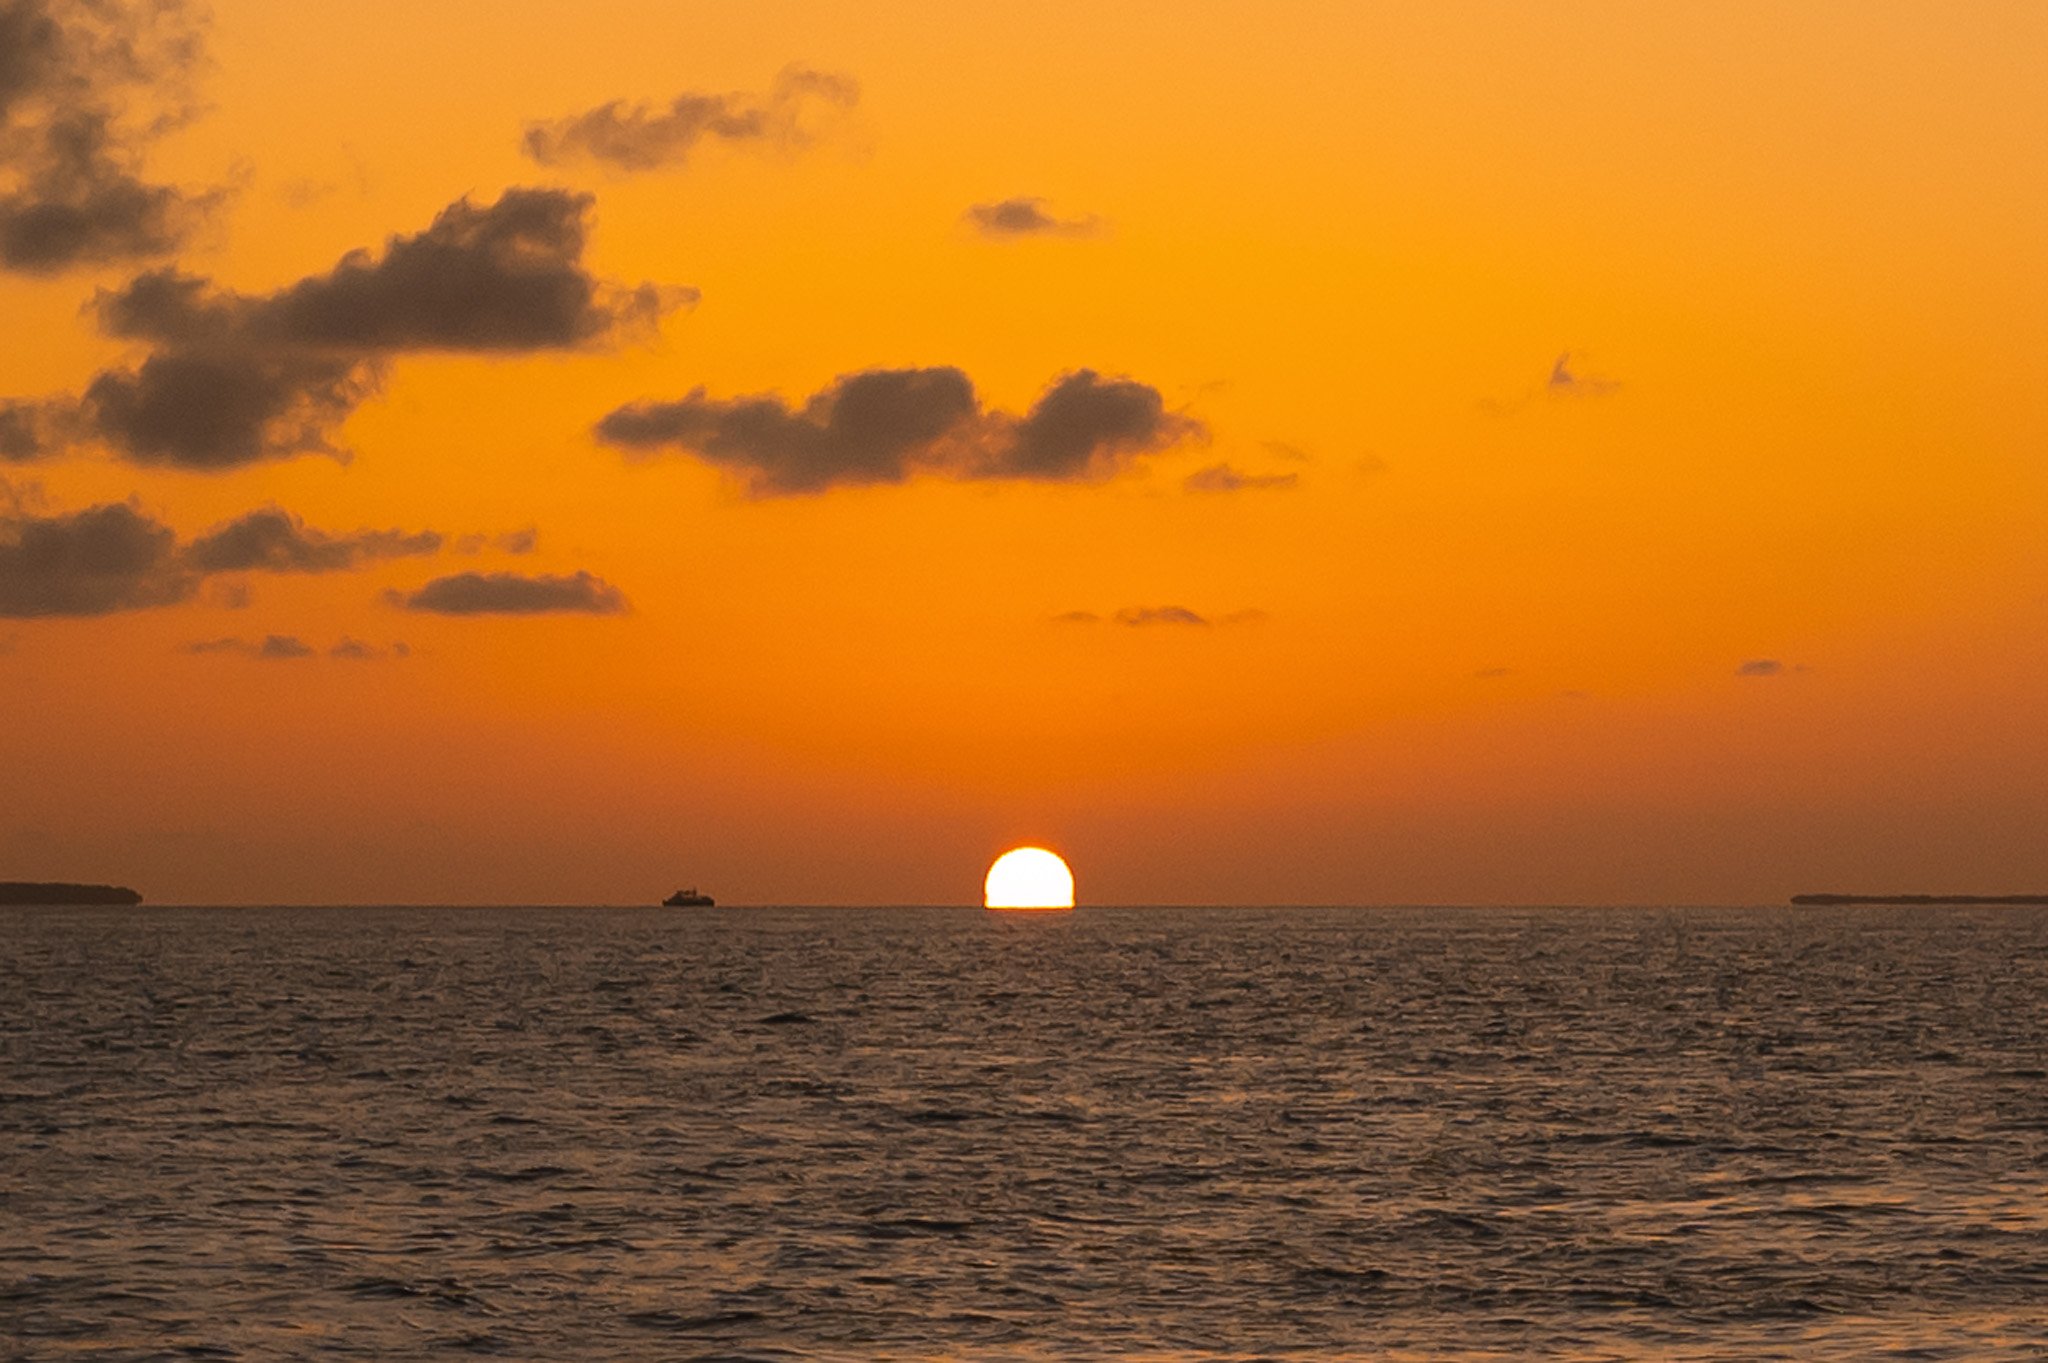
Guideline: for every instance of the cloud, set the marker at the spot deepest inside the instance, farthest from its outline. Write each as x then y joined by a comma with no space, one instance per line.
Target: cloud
1084,421
223,407
283,647
274,540
888,425
1026,217
1568,379
113,557
643,137
513,594
1141,616
86,86
355,650
1565,383
501,277
25,430
871,427
1765,667
93,562
236,378
524,540
1492,673
271,647
1224,478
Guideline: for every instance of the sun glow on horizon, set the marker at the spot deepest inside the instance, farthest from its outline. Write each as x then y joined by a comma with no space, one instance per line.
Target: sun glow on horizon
1028,878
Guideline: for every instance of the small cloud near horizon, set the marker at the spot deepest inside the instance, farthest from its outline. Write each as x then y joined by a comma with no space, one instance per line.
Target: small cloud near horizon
1224,478
356,650
524,540
1569,379
271,647
1009,219
1566,382
1767,667
1141,617
277,647
581,593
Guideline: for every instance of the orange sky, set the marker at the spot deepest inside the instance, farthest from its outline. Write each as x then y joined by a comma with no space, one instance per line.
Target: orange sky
1520,454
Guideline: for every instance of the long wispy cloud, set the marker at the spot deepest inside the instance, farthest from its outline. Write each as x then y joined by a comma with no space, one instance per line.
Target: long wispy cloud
274,540
628,137
285,647
86,86
889,425
116,557
1226,478
235,378
1147,617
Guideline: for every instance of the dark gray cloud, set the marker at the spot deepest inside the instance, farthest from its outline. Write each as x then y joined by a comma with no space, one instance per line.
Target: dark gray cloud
1569,379
274,540
1142,617
871,427
1026,217
85,87
355,650
498,277
887,425
1139,616
524,540
271,647
93,562
220,408
1084,424
237,378
281,647
1760,667
30,46
26,430
114,557
1224,478
643,137
514,594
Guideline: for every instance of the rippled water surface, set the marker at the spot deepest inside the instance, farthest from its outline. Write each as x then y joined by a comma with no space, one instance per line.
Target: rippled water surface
923,1134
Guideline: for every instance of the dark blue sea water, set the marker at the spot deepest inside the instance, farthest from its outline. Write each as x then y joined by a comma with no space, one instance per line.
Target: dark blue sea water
944,1134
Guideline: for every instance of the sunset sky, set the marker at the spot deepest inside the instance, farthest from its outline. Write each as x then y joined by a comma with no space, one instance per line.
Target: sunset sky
1280,453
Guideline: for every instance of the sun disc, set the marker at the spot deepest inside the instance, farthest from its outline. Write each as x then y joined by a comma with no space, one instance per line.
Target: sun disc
1029,878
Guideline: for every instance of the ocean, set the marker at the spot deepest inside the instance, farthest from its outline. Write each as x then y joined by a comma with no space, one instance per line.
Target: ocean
923,1134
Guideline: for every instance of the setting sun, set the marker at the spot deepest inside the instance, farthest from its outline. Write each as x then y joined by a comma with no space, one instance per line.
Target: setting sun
1029,878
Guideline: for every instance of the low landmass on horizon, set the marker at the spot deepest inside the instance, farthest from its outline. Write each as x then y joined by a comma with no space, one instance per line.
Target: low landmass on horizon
57,892
1826,899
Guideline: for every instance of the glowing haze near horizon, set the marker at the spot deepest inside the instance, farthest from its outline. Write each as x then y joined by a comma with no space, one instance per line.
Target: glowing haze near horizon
1301,452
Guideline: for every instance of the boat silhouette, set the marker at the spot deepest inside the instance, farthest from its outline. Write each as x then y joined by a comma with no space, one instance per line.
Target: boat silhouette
687,899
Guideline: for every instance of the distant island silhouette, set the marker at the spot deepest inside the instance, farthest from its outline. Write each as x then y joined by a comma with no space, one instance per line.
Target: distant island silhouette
1920,899
60,892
